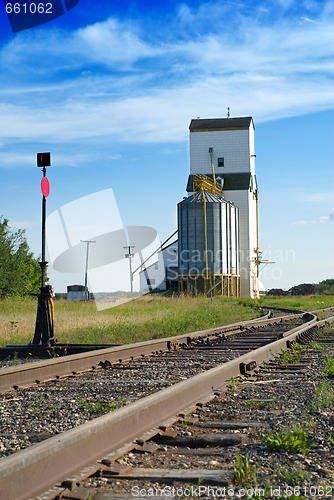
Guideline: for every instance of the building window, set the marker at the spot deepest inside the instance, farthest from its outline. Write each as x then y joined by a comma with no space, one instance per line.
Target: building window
150,282
220,162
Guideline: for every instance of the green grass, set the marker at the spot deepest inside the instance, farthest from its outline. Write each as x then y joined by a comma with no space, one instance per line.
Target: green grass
330,438
184,424
324,395
99,408
295,355
15,361
233,384
316,346
243,471
151,316
262,404
293,475
329,370
300,302
293,439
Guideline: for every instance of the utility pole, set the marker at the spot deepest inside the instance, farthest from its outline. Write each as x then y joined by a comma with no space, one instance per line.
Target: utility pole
86,269
130,256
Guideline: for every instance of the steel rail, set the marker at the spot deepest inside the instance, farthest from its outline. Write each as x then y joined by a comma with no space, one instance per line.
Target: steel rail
41,371
327,309
34,470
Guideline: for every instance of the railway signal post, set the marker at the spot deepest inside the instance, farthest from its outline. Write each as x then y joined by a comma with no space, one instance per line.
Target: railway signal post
44,334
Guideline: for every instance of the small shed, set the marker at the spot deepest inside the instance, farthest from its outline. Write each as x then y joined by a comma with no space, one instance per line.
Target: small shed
76,292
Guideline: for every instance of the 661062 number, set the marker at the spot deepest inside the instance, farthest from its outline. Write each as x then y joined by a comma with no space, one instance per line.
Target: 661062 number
32,8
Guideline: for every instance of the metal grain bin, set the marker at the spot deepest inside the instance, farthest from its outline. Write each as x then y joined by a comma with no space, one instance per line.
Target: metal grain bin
208,242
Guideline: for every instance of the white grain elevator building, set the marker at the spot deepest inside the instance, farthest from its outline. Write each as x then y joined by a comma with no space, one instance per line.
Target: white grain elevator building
222,149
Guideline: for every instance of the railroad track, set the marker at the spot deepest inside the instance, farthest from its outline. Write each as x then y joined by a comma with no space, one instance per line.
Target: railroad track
204,443
79,447
41,371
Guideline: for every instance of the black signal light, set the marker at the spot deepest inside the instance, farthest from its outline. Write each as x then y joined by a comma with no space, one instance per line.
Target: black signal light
43,159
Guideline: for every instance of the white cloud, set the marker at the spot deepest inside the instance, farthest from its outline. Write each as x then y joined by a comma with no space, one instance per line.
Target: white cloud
162,115
286,3
8,159
316,196
118,81
109,43
304,223
245,45
320,220
14,159
309,20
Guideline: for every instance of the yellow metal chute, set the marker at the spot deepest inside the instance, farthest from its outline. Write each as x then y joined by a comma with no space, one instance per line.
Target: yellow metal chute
217,284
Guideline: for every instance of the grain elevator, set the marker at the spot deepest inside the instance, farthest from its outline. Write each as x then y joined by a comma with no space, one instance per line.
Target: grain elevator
218,249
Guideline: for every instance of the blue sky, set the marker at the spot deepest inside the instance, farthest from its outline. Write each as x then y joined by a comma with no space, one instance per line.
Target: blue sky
110,89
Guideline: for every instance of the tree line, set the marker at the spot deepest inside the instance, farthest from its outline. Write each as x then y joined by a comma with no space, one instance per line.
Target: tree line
20,273
326,286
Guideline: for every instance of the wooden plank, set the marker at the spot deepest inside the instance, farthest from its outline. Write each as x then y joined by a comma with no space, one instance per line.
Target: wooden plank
115,469
222,477
201,452
145,448
218,424
202,441
80,493
165,436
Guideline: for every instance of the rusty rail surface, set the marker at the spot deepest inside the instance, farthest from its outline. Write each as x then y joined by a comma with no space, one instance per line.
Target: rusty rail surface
31,471
41,371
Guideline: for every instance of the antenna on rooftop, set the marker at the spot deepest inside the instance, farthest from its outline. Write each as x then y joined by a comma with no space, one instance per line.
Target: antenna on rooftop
228,111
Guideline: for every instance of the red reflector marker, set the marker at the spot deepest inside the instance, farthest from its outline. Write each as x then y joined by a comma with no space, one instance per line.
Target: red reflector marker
45,187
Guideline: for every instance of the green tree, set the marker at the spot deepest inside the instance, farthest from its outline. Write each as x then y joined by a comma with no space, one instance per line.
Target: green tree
20,273
326,286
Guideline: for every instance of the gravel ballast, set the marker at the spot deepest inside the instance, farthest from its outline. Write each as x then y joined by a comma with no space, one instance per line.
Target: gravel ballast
278,398
36,413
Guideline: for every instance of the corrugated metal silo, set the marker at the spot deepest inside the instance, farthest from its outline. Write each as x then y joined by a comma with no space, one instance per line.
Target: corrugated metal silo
208,244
